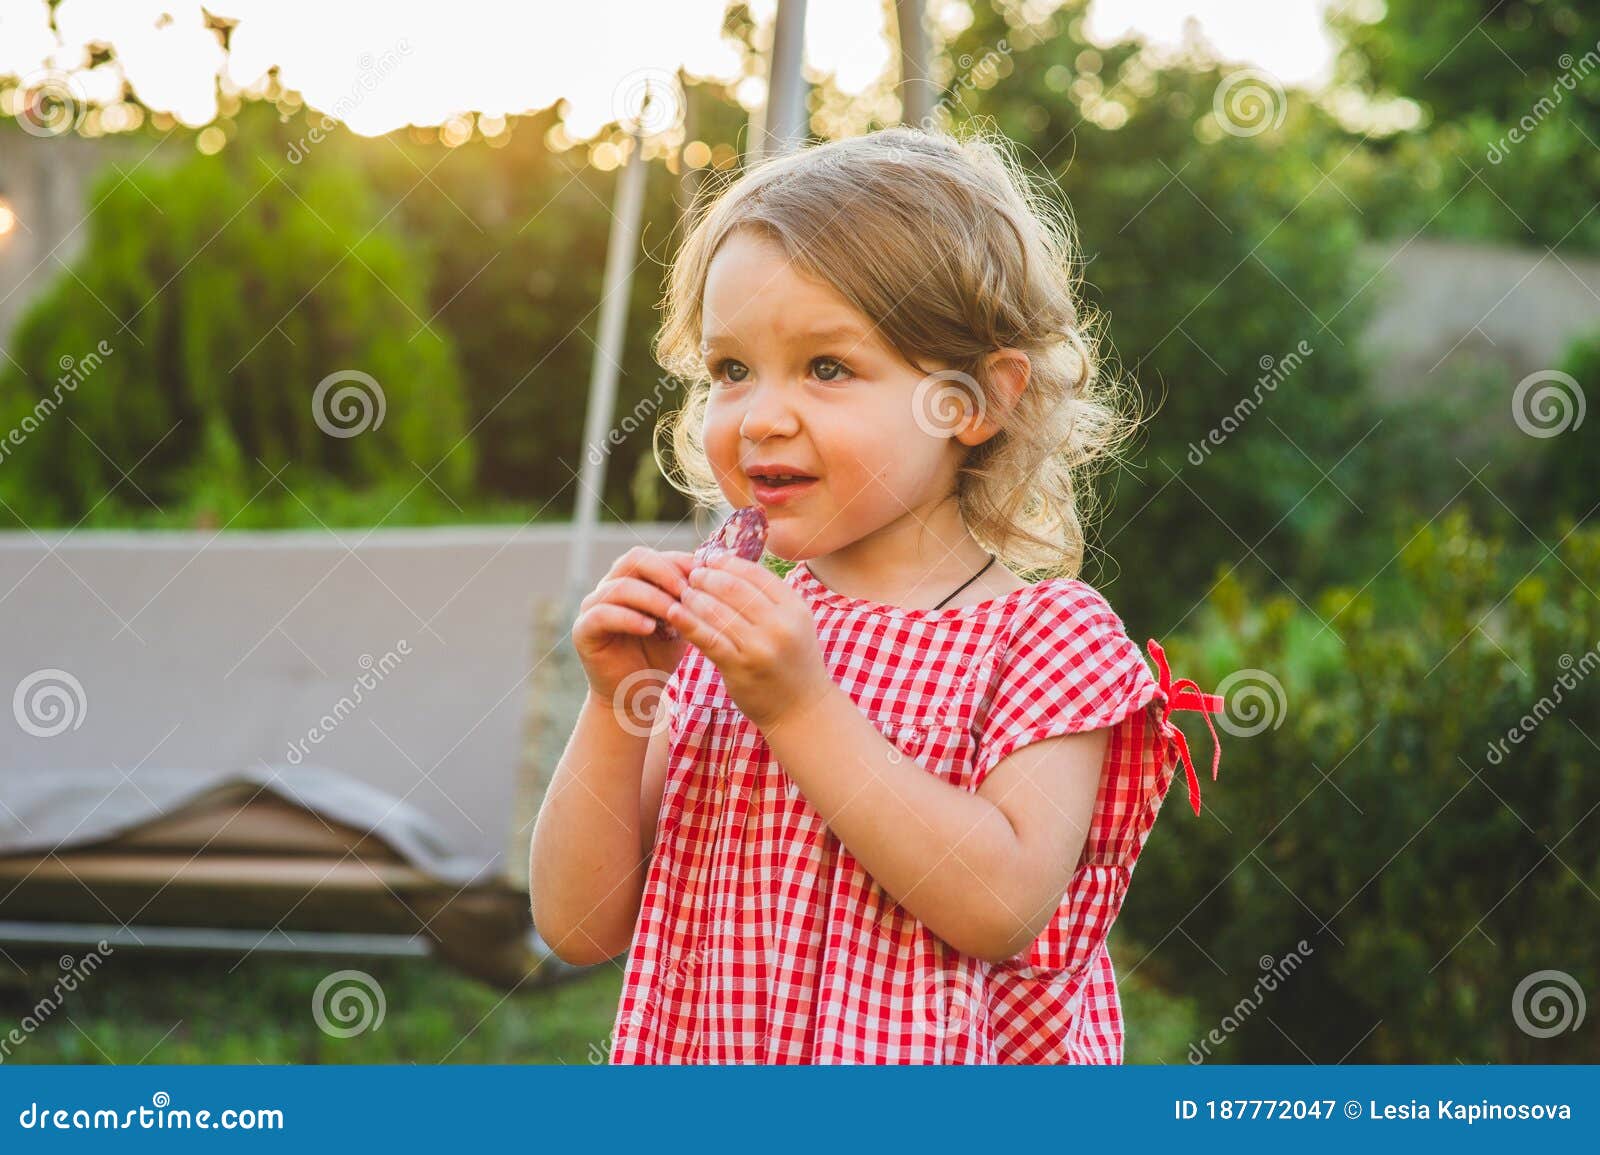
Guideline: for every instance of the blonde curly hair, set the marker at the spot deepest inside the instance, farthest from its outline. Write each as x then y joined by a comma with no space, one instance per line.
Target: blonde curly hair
949,249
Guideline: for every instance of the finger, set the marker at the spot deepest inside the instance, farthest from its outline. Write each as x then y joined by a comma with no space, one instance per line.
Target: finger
769,584
626,562
609,618
716,612
714,643
666,570
734,592
637,594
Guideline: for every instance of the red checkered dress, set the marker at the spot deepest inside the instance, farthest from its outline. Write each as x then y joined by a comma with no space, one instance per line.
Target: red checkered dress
761,939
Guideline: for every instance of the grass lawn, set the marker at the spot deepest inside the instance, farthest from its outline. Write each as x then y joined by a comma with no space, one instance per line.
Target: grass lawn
164,1008
154,1008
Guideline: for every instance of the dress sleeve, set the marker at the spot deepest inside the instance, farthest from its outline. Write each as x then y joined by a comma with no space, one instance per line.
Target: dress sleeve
1068,666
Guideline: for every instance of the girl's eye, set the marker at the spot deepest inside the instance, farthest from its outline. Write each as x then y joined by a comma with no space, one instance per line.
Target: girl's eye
730,370
829,369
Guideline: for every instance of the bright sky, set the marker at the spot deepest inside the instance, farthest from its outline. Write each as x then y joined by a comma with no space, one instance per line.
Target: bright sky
381,65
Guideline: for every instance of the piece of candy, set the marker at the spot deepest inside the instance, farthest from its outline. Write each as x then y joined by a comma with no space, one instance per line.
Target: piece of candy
743,533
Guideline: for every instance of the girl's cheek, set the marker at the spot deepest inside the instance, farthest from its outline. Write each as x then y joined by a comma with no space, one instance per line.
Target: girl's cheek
720,435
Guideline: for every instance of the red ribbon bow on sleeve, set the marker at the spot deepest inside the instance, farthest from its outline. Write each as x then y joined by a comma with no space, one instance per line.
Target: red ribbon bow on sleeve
1185,694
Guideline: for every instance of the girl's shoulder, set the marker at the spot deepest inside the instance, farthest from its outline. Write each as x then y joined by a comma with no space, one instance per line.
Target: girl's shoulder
1064,627
1058,610
1064,664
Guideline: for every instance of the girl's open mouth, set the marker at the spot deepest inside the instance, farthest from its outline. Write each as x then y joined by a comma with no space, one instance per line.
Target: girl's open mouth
778,490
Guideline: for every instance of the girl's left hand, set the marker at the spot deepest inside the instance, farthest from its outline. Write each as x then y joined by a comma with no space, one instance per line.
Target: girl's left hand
759,633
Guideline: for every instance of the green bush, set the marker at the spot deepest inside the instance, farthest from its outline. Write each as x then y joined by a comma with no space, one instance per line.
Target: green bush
1561,490
1383,812
179,361
1510,116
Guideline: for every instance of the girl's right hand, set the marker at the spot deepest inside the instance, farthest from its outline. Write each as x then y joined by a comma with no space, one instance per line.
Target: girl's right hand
614,631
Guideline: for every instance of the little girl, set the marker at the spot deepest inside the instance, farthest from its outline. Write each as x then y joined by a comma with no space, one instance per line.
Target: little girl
891,801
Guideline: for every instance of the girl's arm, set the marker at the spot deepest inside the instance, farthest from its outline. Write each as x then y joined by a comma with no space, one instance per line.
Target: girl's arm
593,835
984,871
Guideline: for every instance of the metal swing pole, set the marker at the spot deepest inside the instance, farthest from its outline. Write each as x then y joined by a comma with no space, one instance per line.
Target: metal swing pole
616,289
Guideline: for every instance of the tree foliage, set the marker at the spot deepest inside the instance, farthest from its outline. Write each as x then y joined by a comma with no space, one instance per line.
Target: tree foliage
1509,148
1212,250
1415,801
179,361
516,239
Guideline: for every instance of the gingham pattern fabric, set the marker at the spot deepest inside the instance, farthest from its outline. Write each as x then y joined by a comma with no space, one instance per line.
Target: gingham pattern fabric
760,939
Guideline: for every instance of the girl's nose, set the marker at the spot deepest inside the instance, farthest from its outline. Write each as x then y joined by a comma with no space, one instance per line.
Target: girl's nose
768,413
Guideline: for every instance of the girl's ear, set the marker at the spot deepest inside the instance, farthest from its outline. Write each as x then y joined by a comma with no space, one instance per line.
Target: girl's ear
1008,371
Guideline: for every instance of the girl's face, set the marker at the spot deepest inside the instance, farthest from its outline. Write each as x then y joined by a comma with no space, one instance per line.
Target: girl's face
803,384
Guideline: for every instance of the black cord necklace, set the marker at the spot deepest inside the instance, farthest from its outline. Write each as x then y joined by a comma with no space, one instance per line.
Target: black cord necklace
968,582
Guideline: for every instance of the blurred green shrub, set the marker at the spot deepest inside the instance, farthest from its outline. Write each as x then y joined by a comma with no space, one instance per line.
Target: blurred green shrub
1378,807
1562,490
1511,113
179,363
